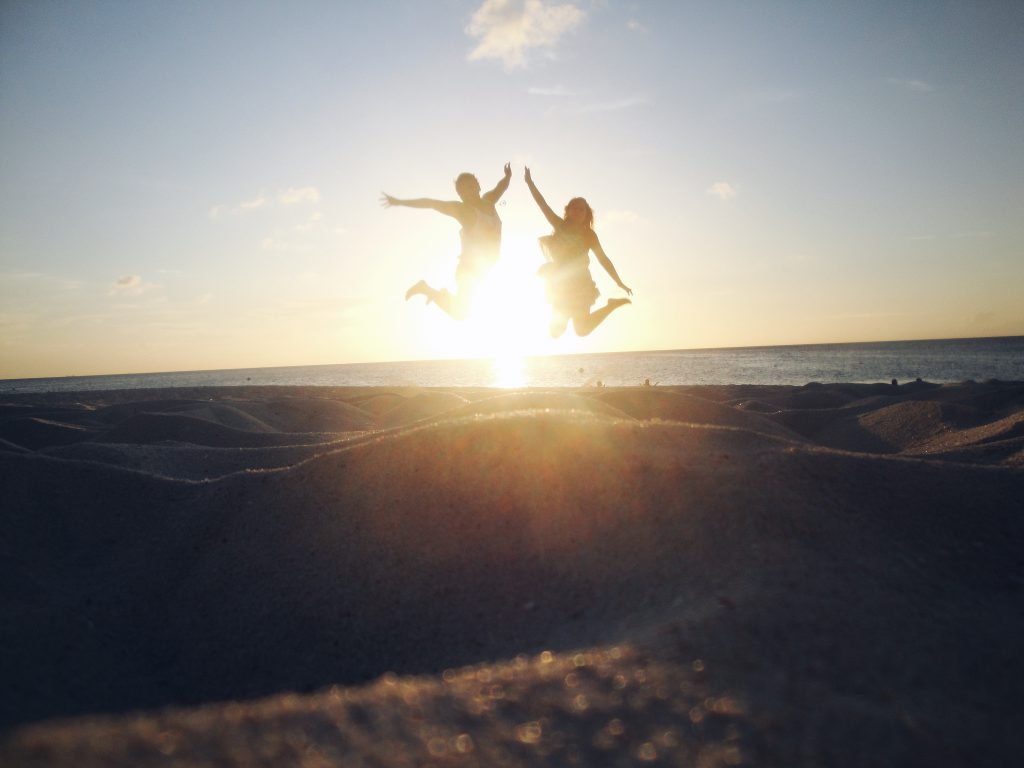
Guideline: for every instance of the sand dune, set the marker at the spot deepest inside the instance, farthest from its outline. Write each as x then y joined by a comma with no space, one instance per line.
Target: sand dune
144,428
708,582
415,407
192,462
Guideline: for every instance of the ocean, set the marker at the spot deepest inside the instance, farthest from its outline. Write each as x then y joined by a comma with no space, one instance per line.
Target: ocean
948,360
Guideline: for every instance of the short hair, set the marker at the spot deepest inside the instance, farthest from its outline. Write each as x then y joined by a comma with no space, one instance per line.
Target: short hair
462,179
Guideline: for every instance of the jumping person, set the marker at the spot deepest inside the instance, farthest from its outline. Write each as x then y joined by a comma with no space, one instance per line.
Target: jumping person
568,285
480,237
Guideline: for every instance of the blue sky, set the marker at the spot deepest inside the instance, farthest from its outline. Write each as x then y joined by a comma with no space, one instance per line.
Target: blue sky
195,185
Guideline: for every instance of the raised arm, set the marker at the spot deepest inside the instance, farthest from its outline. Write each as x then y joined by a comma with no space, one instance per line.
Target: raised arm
553,218
447,207
605,262
499,189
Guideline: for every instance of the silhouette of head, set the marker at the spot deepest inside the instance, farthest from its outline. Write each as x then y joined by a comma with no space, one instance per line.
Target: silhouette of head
467,186
578,211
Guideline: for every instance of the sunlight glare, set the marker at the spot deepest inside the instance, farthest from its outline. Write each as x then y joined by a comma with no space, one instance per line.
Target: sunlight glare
509,371
510,315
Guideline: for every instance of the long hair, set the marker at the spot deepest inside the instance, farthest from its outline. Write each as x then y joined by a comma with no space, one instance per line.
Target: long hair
590,211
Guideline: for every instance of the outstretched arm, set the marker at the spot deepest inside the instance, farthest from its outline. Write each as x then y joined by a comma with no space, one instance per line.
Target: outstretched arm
605,262
553,218
447,207
499,189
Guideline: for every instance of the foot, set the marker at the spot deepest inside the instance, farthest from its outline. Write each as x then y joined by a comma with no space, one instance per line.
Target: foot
616,303
419,289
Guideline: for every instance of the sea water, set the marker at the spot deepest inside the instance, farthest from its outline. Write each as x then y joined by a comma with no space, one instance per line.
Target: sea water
950,360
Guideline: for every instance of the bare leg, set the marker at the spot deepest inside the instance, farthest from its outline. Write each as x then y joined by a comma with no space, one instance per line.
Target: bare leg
584,324
455,304
421,289
558,325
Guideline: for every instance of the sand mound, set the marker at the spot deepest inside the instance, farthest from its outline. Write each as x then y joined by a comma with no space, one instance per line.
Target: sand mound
33,433
190,462
536,400
905,425
115,413
417,407
677,406
223,414
305,414
156,427
947,439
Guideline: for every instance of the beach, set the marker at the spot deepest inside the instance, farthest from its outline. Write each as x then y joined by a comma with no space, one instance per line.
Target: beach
828,574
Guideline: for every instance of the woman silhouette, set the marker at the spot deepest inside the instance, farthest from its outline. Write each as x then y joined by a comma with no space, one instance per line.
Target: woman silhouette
569,287
480,236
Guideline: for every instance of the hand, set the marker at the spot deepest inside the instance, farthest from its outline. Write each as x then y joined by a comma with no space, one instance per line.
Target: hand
527,176
626,288
387,201
508,170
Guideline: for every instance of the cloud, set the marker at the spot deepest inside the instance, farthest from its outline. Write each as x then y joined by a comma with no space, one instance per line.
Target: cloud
309,223
555,90
252,205
723,190
508,29
130,285
297,195
278,242
635,26
920,86
287,197
246,205
613,106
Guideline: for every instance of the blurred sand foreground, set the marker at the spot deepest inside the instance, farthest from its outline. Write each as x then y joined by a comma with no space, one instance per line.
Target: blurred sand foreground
819,575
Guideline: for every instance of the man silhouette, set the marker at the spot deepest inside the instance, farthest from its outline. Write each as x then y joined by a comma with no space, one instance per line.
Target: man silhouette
480,236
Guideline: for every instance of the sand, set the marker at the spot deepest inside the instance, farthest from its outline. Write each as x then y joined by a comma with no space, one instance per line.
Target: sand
819,575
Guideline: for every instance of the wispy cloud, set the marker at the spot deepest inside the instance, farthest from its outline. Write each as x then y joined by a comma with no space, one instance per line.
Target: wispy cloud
911,84
635,26
299,195
508,30
287,197
723,190
554,90
308,224
613,106
130,285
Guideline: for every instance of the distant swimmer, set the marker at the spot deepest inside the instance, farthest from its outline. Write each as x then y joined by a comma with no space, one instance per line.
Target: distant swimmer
480,236
569,287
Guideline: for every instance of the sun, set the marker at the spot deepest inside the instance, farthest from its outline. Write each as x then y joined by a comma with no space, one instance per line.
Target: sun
509,318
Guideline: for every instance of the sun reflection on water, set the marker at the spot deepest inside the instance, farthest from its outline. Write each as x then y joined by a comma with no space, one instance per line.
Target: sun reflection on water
509,371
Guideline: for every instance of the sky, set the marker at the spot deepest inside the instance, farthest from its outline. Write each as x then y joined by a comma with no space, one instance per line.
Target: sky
196,185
